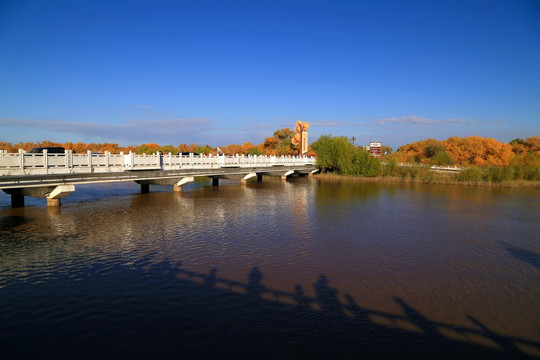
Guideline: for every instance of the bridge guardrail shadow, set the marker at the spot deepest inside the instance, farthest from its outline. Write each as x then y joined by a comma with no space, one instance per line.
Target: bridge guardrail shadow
337,322
158,310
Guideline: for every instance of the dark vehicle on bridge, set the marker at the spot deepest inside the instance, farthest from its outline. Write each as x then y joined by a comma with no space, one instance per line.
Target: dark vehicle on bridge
187,153
50,150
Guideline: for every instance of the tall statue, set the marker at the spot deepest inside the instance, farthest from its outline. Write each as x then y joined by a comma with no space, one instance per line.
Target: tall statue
300,137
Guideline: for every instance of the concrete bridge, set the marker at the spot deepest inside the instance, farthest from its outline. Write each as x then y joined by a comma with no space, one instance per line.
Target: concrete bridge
53,176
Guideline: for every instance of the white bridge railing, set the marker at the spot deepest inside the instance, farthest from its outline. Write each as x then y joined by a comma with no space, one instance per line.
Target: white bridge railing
22,163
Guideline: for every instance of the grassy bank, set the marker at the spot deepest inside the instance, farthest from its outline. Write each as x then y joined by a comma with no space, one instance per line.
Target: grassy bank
422,175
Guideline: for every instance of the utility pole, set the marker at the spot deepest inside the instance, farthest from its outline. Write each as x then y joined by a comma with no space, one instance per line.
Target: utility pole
353,139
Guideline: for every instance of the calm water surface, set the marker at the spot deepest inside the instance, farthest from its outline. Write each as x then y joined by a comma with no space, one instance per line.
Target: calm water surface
272,269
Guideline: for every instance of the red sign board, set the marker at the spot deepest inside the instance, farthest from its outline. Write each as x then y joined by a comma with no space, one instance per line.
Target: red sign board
375,148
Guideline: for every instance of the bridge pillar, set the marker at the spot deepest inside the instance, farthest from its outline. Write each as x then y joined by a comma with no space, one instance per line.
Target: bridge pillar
215,181
249,176
51,193
53,202
53,198
259,177
178,185
288,173
145,188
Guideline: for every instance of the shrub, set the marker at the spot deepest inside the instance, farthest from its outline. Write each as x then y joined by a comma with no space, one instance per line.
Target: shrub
499,174
391,167
366,165
471,174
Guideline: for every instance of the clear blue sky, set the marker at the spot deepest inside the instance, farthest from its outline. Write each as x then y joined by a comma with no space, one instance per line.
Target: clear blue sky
222,72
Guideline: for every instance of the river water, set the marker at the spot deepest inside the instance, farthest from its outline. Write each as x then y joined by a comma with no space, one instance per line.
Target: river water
303,268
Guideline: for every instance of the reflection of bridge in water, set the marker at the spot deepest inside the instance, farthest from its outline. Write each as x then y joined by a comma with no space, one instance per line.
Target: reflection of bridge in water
53,176
406,335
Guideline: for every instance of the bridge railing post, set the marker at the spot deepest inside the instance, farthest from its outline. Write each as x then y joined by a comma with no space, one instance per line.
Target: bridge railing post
107,160
89,154
46,161
21,158
69,158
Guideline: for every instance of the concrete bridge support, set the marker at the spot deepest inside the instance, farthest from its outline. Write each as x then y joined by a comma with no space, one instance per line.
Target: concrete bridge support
177,187
53,194
249,176
287,174
53,202
176,183
53,198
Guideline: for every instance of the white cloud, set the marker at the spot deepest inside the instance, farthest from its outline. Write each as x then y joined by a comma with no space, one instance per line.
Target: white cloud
418,120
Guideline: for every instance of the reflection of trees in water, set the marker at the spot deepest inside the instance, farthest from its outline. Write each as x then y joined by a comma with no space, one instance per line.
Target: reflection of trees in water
346,190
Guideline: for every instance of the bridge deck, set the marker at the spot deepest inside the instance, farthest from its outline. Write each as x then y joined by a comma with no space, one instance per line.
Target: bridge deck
141,175
33,170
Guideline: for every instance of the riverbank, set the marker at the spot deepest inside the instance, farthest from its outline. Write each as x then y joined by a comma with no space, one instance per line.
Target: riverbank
431,178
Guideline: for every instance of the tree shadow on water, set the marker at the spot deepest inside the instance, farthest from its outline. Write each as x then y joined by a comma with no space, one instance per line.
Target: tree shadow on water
190,315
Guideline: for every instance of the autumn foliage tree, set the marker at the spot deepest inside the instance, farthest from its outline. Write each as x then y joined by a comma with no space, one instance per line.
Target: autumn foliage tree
476,150
280,143
530,145
466,151
430,151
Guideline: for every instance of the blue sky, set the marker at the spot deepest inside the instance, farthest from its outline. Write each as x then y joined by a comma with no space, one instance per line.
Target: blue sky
224,72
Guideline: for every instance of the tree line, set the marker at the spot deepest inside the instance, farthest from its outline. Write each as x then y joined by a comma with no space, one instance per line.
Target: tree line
485,159
279,144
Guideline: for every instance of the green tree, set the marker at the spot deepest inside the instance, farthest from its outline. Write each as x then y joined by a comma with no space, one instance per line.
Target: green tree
334,153
254,151
432,147
168,149
323,147
441,158
366,165
199,149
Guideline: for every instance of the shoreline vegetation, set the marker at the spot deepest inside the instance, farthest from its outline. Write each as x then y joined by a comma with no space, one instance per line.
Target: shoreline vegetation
433,179
482,162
